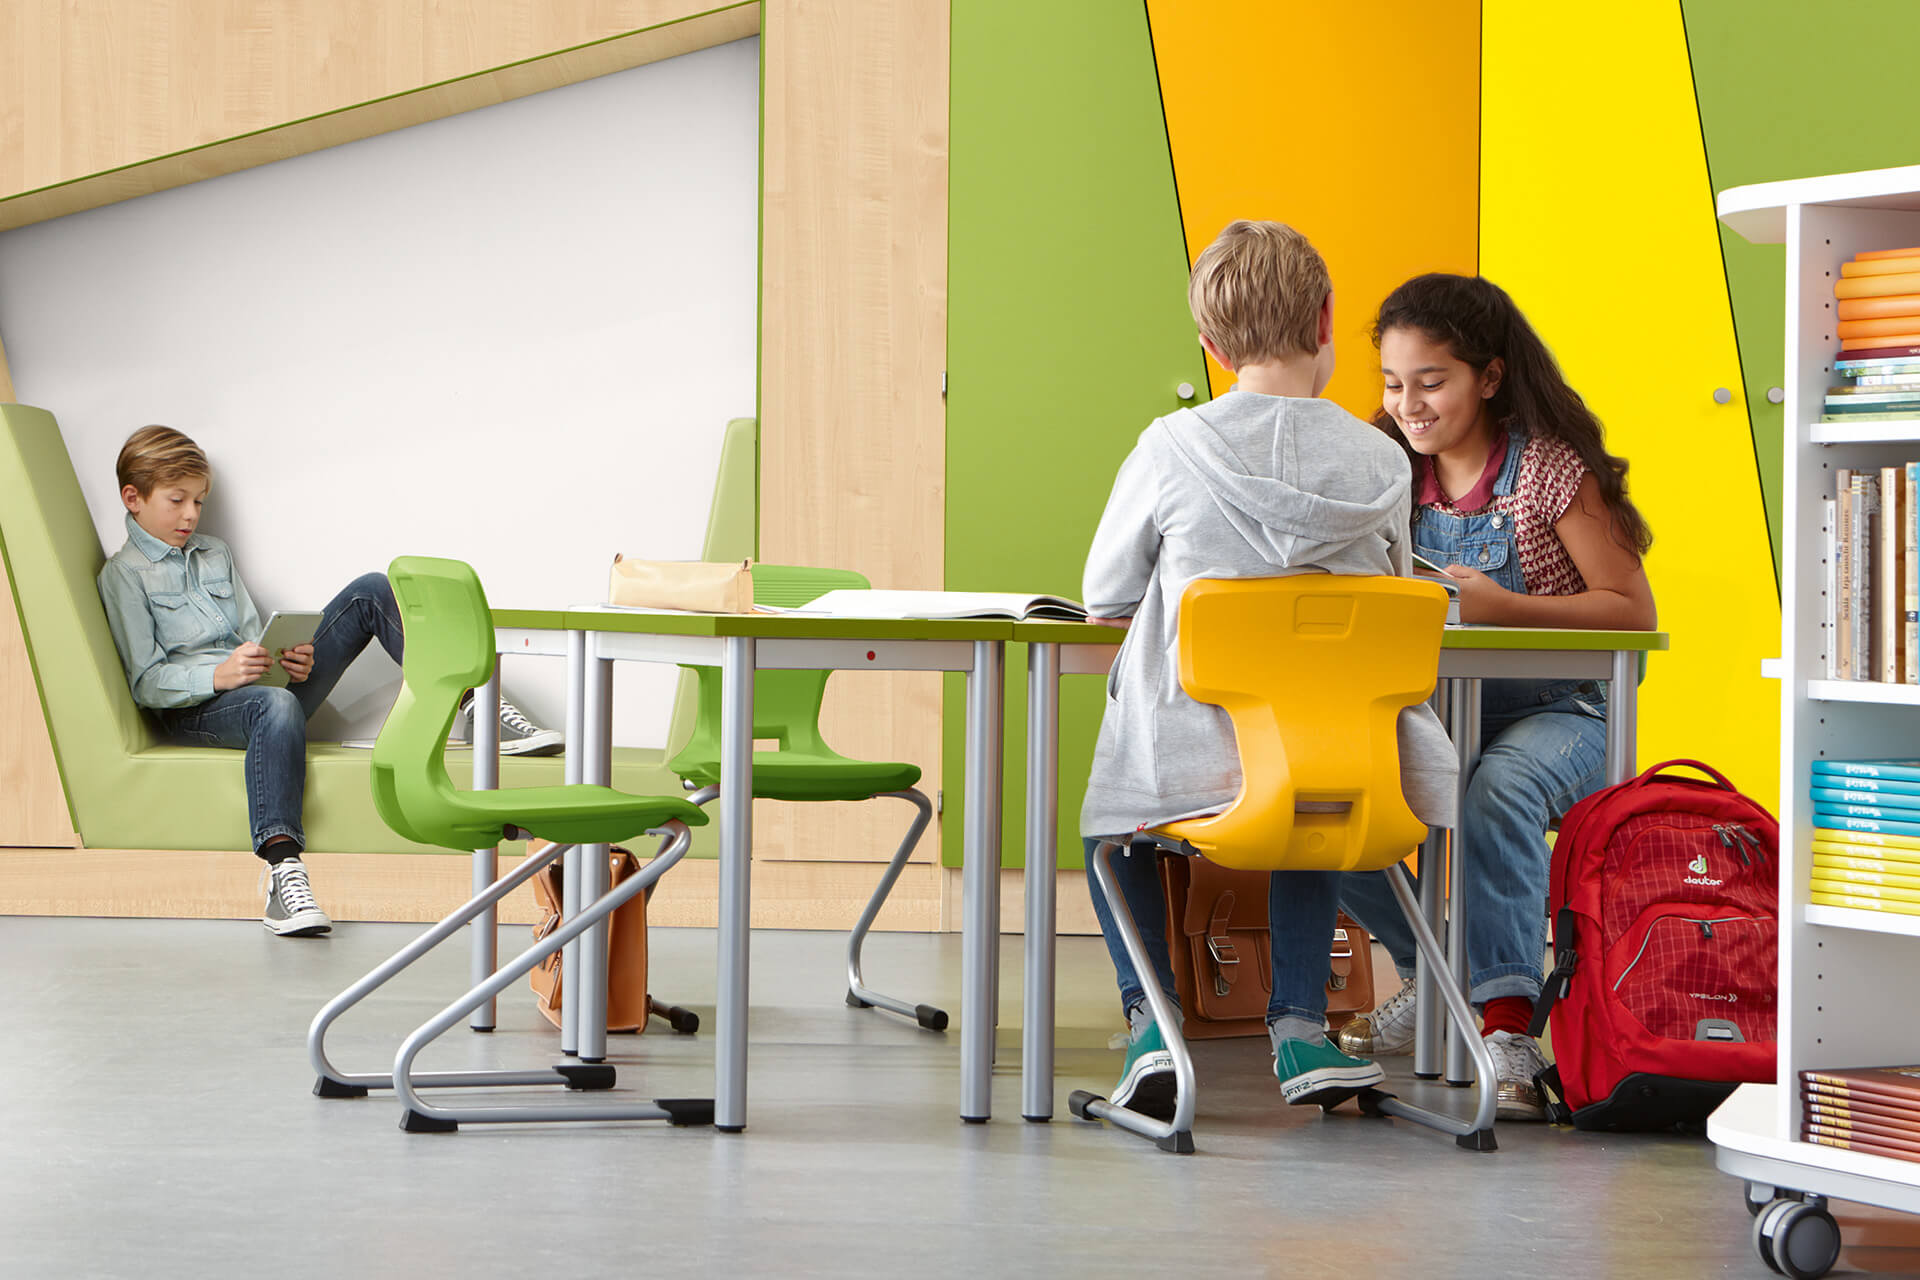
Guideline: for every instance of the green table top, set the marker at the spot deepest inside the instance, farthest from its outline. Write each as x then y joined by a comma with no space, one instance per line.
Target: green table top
530,619
1456,637
783,626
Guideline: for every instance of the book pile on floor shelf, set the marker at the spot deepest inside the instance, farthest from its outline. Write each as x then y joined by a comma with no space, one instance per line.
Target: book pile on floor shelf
1871,1109
1866,835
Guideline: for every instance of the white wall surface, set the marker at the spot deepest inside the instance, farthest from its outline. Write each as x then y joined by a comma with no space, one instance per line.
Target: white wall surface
513,337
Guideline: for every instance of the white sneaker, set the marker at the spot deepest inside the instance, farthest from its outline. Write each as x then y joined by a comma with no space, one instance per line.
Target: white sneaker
291,910
1386,1030
1516,1060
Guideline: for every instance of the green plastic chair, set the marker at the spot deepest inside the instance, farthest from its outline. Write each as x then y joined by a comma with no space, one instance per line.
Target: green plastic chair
803,768
449,650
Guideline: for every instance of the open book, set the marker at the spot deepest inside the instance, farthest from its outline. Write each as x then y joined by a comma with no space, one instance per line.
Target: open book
943,605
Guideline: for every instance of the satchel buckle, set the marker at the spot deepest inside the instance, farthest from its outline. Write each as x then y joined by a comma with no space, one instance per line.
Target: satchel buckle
1342,945
1221,948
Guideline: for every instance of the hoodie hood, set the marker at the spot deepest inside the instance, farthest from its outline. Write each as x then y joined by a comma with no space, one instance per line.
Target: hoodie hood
1281,471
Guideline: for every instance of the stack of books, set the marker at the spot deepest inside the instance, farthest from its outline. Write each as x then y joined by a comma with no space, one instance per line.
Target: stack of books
1866,835
1871,528
1871,1109
1878,298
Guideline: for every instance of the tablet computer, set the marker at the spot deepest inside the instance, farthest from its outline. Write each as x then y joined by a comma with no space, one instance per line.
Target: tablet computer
285,629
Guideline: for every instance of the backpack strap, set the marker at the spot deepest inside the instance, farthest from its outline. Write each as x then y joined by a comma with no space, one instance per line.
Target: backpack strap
1220,948
1653,774
1547,1080
1565,958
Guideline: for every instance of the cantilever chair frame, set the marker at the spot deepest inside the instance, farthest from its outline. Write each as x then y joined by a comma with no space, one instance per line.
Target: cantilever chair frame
1176,1134
415,797
796,726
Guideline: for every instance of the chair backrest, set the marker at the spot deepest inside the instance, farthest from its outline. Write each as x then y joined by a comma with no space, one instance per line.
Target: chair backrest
1314,670
786,704
449,634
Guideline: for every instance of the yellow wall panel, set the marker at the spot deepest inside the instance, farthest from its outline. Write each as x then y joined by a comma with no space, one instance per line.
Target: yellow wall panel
1285,111
1597,215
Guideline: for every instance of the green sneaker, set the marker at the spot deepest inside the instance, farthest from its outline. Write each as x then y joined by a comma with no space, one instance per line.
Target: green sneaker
1316,1073
1147,1083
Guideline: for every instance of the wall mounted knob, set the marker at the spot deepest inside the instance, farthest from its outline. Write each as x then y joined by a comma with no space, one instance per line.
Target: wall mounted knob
1184,391
1775,395
1722,396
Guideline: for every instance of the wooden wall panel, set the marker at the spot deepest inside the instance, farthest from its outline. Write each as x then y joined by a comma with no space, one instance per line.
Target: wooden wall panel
853,342
108,83
33,805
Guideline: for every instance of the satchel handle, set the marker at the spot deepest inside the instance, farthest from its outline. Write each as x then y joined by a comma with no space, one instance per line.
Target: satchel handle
1707,769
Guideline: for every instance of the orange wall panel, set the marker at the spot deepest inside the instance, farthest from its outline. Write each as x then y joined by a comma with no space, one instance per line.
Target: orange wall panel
1282,110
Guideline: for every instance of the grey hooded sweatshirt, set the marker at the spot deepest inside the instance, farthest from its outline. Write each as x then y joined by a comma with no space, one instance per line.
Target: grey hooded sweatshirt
1246,486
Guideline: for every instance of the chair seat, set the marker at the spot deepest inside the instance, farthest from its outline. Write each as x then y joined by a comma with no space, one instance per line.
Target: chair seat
804,777
579,814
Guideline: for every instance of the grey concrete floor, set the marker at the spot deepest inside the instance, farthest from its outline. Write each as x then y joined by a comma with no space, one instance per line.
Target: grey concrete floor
156,1120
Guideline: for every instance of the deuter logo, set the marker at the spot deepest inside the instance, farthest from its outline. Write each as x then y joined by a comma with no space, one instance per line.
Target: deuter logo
1699,868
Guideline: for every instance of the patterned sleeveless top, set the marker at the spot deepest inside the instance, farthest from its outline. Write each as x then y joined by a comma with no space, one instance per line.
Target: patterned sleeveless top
1550,474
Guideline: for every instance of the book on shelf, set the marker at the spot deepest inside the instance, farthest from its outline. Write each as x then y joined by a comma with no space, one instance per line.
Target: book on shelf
1836,1106
1831,817
1902,377
1877,893
1895,353
1880,342
1840,575
1859,902
1869,804
1862,550
1862,1128
1865,788
1900,1082
1887,770
1896,859
1889,875
1890,583
1882,285
1892,264
1911,1154
1854,419
1898,304
942,605
1910,575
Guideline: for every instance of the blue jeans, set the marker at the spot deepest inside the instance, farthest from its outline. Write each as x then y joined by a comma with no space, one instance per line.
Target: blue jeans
1546,750
270,724
1300,917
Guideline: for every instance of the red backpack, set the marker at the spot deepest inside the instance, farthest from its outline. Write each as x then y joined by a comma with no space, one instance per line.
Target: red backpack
1665,905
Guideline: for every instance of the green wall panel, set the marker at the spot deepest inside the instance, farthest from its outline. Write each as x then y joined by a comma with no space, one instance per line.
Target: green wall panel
1789,89
1067,327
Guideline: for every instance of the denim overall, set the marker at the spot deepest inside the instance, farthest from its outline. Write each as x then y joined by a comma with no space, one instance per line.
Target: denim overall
1544,749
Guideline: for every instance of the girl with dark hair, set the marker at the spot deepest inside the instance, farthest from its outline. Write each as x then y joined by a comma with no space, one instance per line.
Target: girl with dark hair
1519,502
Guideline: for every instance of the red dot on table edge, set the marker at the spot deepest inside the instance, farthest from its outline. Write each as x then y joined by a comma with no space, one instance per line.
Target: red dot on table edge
869,655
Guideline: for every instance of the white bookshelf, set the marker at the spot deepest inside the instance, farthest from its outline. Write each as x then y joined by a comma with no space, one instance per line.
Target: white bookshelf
1841,1003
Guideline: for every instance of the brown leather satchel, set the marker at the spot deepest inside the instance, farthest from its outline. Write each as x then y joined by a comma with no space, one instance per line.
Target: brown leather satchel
1223,956
627,1004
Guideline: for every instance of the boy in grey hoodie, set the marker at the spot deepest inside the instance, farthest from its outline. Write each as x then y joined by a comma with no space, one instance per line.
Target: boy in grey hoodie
1264,481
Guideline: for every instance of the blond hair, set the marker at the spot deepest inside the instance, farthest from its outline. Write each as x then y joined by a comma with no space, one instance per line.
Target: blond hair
1256,292
153,456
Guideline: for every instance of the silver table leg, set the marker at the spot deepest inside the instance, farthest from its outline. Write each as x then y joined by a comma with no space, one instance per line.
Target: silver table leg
486,862
736,850
570,868
1429,1020
980,880
1623,715
596,766
1466,737
1043,859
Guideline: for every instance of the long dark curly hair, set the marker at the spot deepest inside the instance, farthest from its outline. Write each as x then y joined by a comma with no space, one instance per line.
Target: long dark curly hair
1476,320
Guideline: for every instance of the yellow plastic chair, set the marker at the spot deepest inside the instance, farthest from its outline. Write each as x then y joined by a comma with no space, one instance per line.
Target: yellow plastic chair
1314,670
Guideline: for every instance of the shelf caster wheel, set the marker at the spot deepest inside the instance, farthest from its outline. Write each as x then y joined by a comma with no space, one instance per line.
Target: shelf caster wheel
1797,1238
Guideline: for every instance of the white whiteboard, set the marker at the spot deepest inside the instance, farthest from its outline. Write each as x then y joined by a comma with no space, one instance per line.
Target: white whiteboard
513,337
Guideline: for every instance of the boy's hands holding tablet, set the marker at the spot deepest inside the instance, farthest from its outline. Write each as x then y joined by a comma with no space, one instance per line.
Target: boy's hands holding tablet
288,644
243,666
298,662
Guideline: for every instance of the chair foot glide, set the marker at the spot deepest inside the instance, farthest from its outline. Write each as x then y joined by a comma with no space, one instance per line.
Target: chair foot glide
683,1021
1077,1104
684,1113
855,1002
481,1030
929,1017
1370,1100
1181,1143
1478,1140
585,1078
414,1122
328,1087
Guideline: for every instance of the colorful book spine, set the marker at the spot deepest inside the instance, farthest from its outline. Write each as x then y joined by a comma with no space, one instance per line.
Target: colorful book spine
1869,804
1902,770
1860,902
1866,506
1843,573
1830,598
1910,570
1889,603
1826,816
1864,787
1827,866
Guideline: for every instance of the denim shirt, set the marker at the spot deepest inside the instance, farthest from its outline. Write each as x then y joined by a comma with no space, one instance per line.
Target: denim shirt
1485,540
176,613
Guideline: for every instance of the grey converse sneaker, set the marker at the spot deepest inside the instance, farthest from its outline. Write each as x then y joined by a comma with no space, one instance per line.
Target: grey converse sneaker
1516,1060
519,736
291,911
1388,1029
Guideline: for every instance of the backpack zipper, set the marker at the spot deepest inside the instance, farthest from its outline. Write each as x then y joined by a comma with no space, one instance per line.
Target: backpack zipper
1730,842
1706,931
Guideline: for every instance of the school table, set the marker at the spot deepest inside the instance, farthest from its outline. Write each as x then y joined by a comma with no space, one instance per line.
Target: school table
1468,655
594,637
